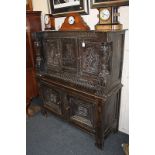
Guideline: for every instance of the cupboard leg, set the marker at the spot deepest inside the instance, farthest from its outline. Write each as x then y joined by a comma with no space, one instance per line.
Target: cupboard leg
99,139
44,112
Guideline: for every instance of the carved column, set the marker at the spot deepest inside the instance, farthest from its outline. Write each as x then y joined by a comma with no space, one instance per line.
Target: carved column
37,46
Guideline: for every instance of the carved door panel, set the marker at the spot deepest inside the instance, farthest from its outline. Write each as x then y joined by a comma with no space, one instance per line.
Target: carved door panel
89,59
52,54
95,58
69,54
81,111
52,98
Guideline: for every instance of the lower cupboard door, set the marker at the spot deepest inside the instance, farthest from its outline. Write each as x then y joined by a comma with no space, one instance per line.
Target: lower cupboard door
52,99
82,112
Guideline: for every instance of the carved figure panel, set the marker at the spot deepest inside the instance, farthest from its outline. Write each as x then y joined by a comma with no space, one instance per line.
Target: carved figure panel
53,56
81,111
69,52
90,58
52,98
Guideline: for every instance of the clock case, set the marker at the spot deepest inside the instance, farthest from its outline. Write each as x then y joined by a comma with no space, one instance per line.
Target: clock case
51,24
78,24
111,23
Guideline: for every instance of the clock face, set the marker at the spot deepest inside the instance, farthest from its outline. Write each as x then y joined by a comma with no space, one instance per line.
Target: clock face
46,19
104,14
71,20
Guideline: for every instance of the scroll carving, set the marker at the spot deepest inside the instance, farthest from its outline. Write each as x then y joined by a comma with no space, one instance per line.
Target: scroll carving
90,61
105,66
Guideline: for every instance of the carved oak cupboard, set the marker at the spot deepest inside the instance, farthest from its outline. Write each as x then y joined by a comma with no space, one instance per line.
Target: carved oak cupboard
79,75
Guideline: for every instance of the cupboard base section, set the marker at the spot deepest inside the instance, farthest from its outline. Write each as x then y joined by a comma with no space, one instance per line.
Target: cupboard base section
96,115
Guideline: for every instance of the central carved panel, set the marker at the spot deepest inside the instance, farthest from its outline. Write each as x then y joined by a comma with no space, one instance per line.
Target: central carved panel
69,53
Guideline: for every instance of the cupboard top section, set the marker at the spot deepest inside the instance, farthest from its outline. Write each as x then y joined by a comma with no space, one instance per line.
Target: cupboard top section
92,33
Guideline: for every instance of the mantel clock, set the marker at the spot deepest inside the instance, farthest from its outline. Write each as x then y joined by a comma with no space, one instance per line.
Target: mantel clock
108,14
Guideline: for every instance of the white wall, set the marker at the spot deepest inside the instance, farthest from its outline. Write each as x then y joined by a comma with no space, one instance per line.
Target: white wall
124,111
91,20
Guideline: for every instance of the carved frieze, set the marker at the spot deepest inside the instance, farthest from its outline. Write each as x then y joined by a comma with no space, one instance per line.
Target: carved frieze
75,79
69,34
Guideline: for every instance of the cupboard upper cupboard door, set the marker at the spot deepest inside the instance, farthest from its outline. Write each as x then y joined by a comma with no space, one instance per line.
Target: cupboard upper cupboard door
69,50
60,55
95,59
52,55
